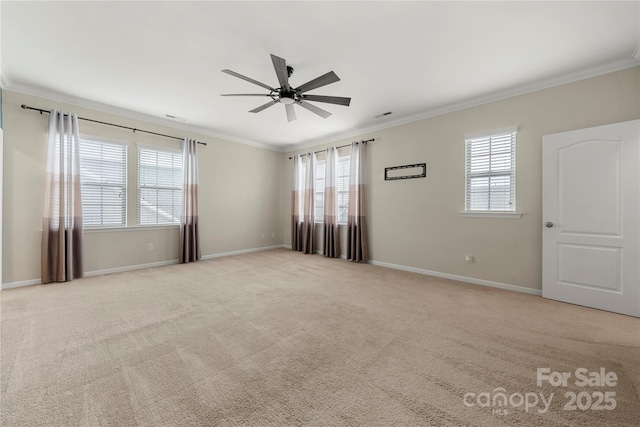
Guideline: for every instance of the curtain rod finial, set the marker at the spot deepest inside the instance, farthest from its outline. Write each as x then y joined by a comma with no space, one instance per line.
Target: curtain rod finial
24,106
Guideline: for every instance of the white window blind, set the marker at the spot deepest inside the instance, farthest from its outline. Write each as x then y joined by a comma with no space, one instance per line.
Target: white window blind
103,173
344,167
159,186
320,180
491,171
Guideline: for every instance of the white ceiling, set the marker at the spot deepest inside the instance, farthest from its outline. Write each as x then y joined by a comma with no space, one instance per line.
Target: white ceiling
411,58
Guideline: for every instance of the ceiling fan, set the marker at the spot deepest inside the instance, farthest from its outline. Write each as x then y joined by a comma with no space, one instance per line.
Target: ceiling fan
289,96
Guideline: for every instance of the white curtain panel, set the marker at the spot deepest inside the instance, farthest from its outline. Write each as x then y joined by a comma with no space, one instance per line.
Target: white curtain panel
61,248
189,221
331,243
357,249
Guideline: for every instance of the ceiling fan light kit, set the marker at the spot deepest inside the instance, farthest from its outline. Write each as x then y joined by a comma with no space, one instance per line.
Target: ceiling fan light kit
289,96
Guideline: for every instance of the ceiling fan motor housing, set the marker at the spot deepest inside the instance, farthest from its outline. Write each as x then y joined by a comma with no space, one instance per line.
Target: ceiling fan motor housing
287,100
285,97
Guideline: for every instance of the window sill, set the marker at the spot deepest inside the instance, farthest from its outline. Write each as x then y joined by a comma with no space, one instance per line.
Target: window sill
490,214
131,228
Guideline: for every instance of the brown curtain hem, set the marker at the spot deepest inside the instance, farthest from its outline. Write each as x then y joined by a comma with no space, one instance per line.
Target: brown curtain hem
331,242
357,242
308,241
190,247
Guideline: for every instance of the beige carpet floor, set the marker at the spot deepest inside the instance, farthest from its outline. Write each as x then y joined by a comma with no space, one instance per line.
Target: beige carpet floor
278,338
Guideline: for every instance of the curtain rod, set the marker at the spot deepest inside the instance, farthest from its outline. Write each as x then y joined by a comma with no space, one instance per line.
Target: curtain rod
342,146
26,107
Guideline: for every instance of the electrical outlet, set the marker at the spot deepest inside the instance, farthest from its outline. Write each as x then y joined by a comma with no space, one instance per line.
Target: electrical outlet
149,246
468,259
262,236
273,235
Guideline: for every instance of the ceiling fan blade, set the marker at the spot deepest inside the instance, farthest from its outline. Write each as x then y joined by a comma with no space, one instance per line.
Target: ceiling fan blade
323,80
291,113
249,79
262,107
328,99
245,94
280,66
319,111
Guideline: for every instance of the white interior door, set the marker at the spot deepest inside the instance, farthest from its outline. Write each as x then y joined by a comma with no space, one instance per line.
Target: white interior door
591,204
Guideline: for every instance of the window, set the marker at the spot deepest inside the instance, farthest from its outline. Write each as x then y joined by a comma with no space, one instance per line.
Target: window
344,167
491,171
103,173
342,189
159,186
320,173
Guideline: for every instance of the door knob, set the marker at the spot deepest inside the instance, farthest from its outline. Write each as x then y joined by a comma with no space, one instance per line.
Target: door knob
548,224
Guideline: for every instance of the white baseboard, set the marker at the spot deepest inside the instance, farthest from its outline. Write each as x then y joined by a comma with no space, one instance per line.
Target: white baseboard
243,251
266,248
465,279
139,266
20,284
129,268
93,273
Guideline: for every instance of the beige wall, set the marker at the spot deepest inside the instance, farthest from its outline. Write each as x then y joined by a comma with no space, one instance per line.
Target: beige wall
239,194
245,191
416,223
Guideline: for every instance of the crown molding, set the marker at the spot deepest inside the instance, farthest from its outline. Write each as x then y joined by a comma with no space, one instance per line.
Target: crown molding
5,80
476,101
122,112
632,61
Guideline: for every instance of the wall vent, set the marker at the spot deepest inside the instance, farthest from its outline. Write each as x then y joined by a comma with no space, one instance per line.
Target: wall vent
172,117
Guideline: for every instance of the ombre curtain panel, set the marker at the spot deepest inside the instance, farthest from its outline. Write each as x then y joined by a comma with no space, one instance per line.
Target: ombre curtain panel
308,220
296,203
189,221
357,247
62,232
331,242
